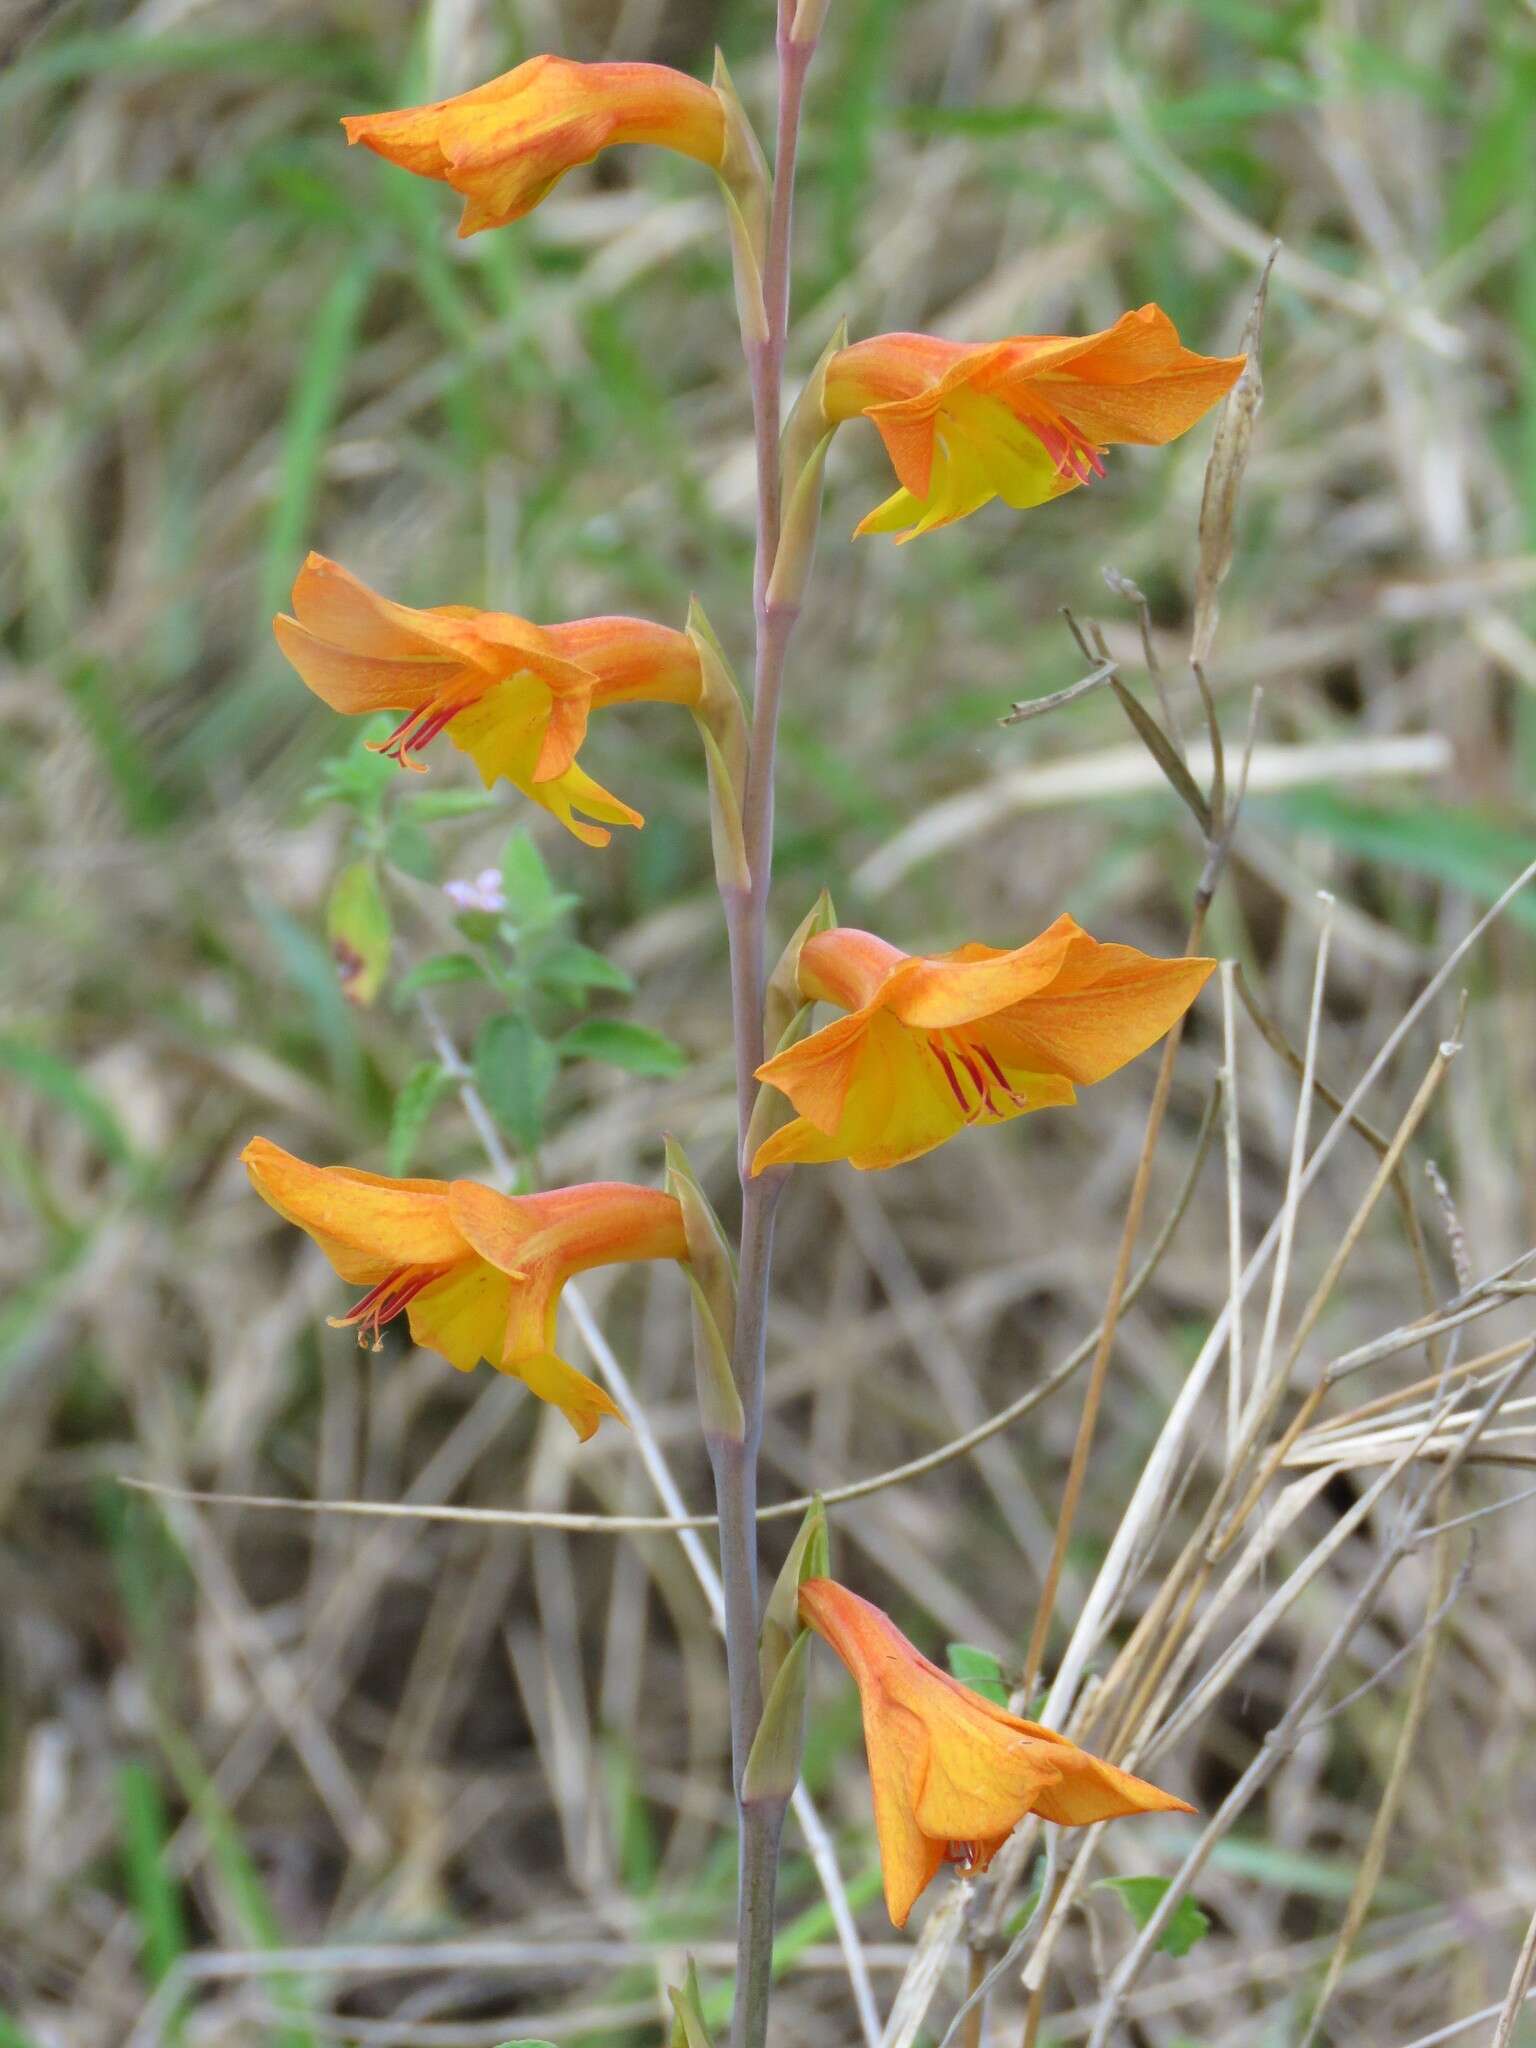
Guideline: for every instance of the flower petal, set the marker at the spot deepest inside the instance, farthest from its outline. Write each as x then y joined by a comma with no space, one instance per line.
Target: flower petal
580,1400
935,992
367,1225
463,1316
352,682
1090,1790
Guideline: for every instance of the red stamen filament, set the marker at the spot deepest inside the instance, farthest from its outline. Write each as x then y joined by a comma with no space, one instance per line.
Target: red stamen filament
418,729
381,1304
966,1855
968,1054
1075,456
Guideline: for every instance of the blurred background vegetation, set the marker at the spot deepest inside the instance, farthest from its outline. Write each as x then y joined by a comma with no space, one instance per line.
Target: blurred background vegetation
223,340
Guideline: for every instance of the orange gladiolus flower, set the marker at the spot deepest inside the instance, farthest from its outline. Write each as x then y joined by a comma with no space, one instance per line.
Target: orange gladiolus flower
514,696
952,1774
935,1043
476,1274
504,145
1023,419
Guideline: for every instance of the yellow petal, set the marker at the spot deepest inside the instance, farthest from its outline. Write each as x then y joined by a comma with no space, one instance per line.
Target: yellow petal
505,734
580,1400
463,1316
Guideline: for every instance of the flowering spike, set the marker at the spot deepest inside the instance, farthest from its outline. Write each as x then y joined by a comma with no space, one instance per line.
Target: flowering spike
952,1774
935,1043
1023,419
477,1274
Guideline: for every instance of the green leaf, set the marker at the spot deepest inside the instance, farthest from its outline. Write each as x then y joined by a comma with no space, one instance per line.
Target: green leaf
526,2041
979,1670
573,967
407,846
413,1105
356,777
437,972
357,923
432,804
1141,1897
147,1871
532,898
514,1071
634,1047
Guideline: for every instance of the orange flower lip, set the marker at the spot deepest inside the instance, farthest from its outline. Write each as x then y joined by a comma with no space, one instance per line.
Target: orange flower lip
514,696
951,1773
504,145
1023,419
477,1274
934,1044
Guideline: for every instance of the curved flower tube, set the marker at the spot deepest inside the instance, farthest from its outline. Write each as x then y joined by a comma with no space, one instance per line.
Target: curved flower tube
514,696
936,1043
952,1774
475,1273
506,144
1023,419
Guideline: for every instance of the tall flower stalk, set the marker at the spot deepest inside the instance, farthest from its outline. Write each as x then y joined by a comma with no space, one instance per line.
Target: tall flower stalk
929,1047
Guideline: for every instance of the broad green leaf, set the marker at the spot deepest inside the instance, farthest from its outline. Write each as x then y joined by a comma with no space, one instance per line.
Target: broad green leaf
407,847
514,1071
1141,1897
634,1047
573,967
437,972
357,923
532,898
413,1105
979,1670
357,776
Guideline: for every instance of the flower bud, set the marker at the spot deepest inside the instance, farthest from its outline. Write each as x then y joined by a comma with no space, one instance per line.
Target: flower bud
711,1273
744,181
722,725
773,1762
688,2028
809,1558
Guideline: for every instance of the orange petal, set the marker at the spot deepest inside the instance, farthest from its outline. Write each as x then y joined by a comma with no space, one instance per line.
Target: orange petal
1090,1790
506,143
1134,382
333,604
846,966
632,660
362,1221
1107,1004
938,992
817,1073
351,682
